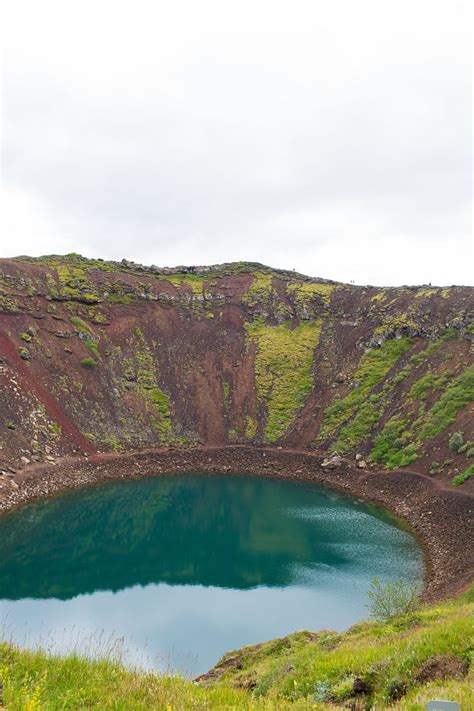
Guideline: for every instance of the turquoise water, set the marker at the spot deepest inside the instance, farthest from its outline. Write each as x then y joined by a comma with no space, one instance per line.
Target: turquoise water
181,569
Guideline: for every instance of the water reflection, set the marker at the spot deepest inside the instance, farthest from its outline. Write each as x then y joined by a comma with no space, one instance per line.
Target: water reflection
195,565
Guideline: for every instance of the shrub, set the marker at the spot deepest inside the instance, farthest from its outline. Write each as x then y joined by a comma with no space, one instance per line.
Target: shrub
391,600
456,441
88,363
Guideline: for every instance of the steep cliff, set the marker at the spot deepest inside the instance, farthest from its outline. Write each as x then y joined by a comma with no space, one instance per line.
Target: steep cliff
98,356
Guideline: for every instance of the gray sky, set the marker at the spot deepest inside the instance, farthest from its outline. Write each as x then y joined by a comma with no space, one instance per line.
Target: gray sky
333,137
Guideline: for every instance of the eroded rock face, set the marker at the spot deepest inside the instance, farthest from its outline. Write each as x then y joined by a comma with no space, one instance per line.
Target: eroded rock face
125,356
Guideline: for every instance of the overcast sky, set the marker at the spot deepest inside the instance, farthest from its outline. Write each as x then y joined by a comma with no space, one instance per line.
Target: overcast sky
329,136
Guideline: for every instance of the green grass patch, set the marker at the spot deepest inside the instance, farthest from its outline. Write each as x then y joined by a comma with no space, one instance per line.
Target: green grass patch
458,394
466,474
120,298
88,363
283,376
80,325
93,346
374,365
394,446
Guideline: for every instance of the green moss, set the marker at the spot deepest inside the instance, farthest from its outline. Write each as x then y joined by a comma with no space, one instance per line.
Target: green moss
147,385
8,304
120,298
226,392
250,427
70,282
392,324
283,377
466,474
305,292
374,365
379,296
195,282
260,289
426,292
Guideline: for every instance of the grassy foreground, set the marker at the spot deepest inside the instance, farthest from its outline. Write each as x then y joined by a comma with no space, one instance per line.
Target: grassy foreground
425,655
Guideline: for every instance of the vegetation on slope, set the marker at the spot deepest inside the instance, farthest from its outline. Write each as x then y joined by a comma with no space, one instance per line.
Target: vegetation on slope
398,443
283,376
381,365
360,407
402,664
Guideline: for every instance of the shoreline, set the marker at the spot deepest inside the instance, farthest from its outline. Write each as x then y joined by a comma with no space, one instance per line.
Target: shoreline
439,518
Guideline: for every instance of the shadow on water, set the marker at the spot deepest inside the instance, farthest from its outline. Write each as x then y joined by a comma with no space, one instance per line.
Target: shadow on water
230,532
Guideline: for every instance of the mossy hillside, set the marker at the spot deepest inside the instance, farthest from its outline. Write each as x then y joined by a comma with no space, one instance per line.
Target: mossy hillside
147,385
304,293
302,671
361,406
397,445
251,426
457,394
260,290
283,369
194,282
70,281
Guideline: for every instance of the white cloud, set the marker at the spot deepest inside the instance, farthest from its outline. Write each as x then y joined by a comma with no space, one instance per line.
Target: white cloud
332,137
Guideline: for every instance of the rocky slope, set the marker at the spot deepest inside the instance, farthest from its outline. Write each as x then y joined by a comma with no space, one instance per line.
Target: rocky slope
98,356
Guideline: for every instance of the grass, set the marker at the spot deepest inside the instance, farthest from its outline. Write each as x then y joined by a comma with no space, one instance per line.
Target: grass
36,681
88,363
283,363
464,476
80,325
394,446
302,671
357,407
93,346
324,665
458,394
398,443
